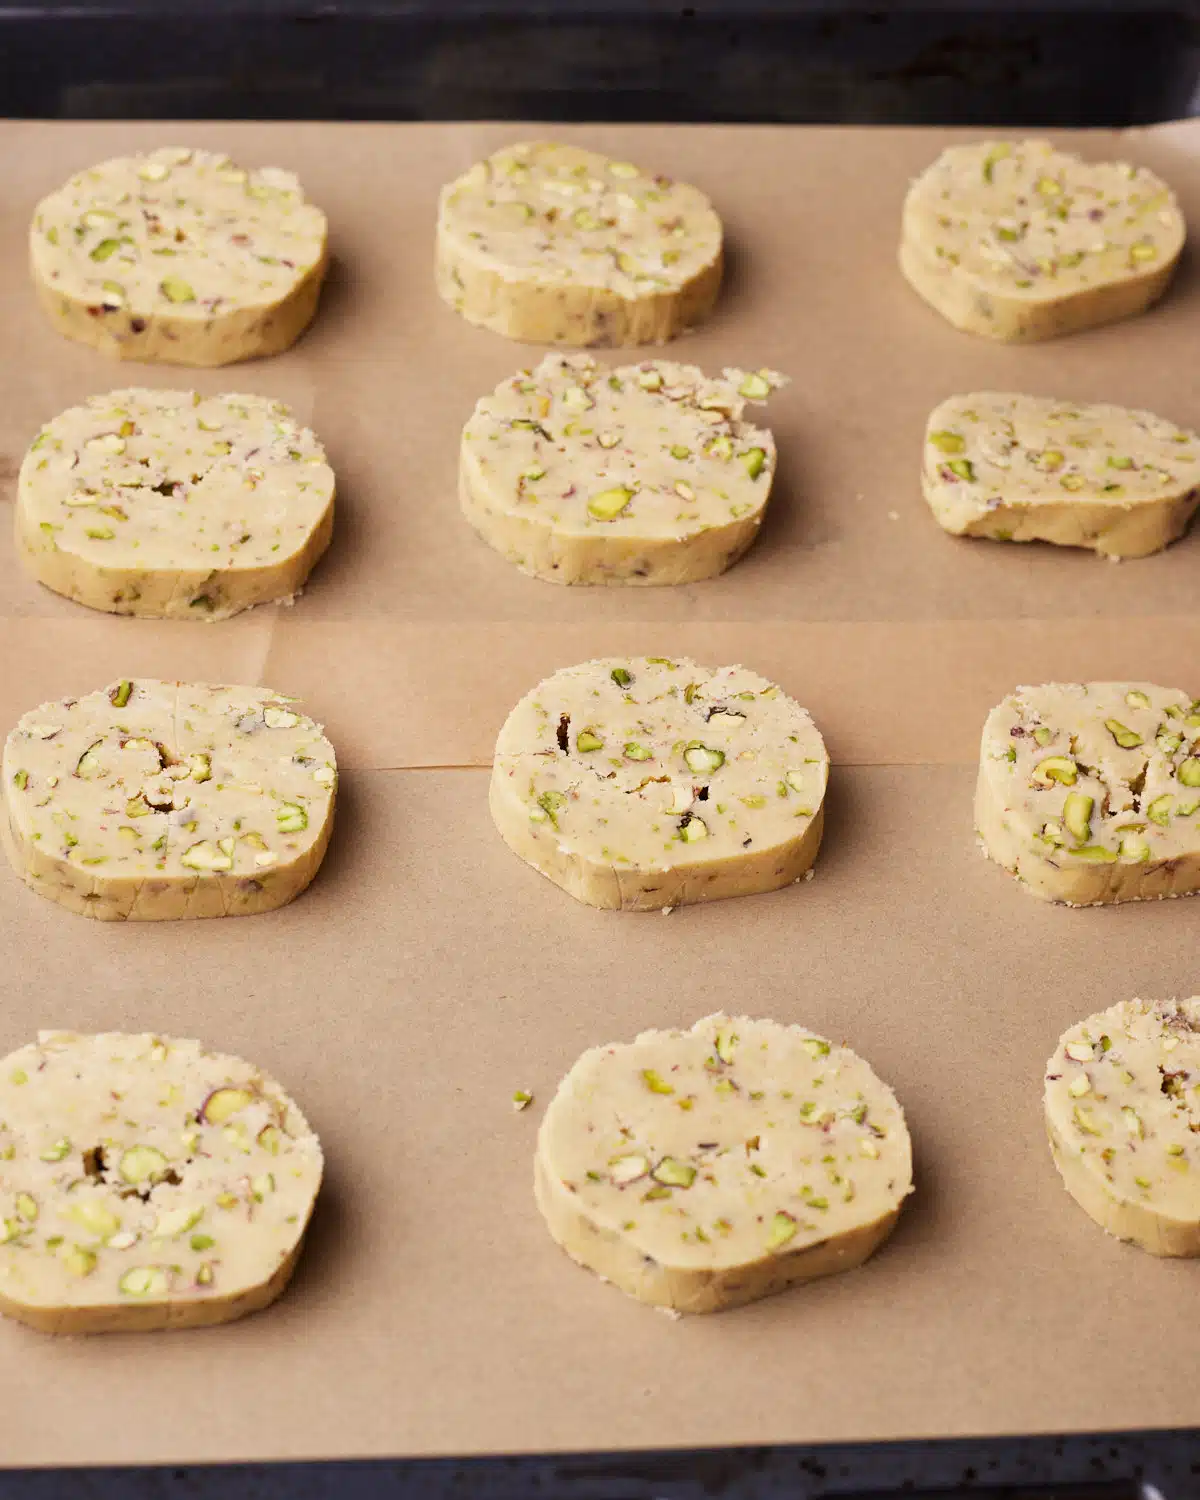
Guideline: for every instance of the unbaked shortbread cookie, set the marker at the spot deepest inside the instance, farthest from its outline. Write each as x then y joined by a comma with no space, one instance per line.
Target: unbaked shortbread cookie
146,1183
1025,468
152,800
644,474
171,505
179,257
550,244
1089,792
641,783
1123,1111
1017,241
702,1169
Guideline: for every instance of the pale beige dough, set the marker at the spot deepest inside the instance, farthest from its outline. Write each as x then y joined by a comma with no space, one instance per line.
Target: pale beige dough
179,257
702,1169
171,505
1122,1105
146,1183
1017,241
155,800
552,244
1090,792
643,474
638,783
1028,468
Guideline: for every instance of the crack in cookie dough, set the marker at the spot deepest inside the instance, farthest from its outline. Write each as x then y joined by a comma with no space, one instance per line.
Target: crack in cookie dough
551,244
641,783
702,1169
146,1183
1026,468
1014,240
1122,1103
642,474
154,800
171,505
179,257
1089,792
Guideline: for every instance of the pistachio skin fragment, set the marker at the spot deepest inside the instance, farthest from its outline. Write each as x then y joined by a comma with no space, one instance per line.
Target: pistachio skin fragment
1128,1159
1114,820
725,1202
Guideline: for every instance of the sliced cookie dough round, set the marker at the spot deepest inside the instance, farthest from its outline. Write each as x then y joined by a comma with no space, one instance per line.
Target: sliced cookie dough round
1090,792
179,257
1122,1107
642,783
154,800
146,1183
552,244
1026,468
171,505
699,1170
644,474
1015,240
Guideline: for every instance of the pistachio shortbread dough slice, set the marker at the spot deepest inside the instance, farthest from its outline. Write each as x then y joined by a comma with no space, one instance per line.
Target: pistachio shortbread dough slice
551,244
699,1170
1090,792
154,800
171,505
1123,1111
1027,468
642,783
1017,241
644,474
179,257
146,1183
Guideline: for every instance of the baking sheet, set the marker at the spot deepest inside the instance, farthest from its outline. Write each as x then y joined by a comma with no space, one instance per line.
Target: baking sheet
427,974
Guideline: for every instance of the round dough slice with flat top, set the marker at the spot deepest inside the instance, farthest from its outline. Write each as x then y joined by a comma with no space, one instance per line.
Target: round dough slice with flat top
170,505
146,1183
644,474
1027,468
179,257
1017,241
1122,1105
552,244
154,800
641,783
1090,792
699,1170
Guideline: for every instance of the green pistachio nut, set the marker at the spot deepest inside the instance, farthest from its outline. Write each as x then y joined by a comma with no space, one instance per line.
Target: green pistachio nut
1060,768
607,505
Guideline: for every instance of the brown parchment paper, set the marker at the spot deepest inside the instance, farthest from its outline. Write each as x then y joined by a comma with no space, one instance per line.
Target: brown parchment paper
427,974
